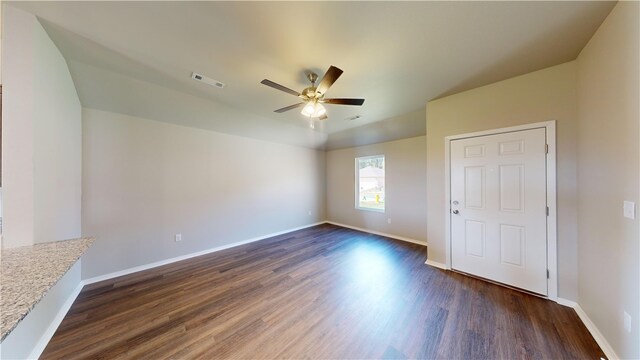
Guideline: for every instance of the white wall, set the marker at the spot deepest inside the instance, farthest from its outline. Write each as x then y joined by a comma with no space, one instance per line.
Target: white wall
17,106
548,94
57,159
608,149
41,155
145,181
405,193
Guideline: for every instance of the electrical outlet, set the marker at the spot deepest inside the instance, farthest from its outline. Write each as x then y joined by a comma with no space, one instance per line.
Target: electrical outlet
388,220
178,237
629,209
627,322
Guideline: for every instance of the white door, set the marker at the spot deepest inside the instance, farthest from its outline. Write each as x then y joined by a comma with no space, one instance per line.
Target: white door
499,208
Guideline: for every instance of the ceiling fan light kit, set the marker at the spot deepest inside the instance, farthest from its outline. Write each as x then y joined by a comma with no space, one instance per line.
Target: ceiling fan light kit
313,110
313,97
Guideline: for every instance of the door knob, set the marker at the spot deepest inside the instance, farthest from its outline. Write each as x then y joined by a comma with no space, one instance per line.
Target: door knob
455,212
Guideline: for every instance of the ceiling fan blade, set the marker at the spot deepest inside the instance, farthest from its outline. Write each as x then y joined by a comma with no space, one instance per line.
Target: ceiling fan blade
329,78
279,87
290,107
343,101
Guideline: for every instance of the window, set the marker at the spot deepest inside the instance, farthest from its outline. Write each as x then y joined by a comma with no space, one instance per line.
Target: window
370,183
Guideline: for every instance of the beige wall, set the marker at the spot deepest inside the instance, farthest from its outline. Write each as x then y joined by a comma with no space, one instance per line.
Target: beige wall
405,173
41,155
608,152
145,181
548,94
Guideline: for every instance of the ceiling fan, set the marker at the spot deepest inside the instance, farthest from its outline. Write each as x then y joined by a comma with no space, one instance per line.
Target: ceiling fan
313,97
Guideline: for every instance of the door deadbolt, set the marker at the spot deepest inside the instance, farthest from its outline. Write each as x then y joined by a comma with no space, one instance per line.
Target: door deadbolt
455,212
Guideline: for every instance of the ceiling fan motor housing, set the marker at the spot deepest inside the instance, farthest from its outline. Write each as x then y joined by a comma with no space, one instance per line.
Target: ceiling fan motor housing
310,93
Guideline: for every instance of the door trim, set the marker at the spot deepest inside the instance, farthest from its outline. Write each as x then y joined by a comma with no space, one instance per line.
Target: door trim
552,246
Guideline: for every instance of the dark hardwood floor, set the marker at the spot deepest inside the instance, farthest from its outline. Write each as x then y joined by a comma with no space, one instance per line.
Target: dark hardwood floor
323,292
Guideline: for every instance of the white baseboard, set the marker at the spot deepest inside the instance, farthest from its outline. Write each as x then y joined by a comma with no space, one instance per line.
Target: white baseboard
436,264
53,326
191,255
568,303
397,237
597,335
593,329
55,323
64,309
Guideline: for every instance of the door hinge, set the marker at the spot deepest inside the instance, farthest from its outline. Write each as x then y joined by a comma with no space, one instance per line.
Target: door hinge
546,148
547,211
547,273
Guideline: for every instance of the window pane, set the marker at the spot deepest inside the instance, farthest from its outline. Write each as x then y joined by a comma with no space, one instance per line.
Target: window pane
370,184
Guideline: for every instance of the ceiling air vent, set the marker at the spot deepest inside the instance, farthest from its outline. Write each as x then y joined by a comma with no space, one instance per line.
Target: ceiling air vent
207,80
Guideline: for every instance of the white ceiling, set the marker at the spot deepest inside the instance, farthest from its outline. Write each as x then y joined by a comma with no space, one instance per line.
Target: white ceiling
396,55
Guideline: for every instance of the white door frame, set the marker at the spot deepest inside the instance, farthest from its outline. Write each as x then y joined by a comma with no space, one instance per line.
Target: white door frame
552,247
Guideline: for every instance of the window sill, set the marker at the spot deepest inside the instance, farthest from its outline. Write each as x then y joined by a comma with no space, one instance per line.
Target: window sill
369,209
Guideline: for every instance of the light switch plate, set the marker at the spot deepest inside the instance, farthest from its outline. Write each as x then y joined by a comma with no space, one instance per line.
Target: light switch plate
627,322
629,209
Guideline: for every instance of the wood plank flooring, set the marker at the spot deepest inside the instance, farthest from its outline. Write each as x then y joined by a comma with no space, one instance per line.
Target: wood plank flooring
324,292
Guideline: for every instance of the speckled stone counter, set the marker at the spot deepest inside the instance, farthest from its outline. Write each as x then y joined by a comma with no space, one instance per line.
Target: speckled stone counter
28,272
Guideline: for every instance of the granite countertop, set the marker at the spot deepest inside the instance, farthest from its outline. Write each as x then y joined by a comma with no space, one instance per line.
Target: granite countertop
28,272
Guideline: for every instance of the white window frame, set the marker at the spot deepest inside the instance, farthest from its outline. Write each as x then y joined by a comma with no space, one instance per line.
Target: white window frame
357,183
